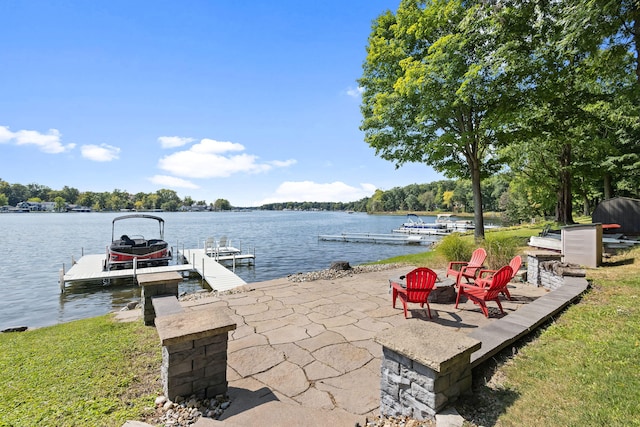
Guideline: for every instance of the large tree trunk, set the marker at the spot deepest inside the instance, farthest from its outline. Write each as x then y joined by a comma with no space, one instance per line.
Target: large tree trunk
564,206
608,189
478,218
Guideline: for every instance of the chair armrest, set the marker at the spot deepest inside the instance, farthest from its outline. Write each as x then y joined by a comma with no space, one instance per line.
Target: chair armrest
459,264
470,286
397,286
482,272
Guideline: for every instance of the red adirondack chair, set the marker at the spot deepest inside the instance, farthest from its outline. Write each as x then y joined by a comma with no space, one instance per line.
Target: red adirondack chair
484,276
468,270
481,294
419,283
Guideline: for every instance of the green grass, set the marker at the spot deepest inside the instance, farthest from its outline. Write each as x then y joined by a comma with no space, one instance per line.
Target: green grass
584,370
93,372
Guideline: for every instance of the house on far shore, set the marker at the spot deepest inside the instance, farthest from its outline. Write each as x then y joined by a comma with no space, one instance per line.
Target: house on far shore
624,211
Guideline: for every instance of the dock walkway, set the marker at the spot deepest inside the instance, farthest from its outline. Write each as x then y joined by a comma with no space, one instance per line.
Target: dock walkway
219,277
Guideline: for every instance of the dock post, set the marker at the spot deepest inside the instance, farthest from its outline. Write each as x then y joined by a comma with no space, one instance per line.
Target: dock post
234,263
135,266
61,279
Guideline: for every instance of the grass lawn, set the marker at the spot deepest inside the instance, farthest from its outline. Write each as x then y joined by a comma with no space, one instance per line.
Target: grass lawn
584,369
92,372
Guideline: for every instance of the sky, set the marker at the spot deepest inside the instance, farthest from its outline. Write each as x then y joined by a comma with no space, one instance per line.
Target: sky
254,102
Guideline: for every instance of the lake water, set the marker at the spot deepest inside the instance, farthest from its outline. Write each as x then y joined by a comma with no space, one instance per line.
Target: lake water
34,247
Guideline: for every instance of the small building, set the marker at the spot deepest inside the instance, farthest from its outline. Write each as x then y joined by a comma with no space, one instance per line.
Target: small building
624,211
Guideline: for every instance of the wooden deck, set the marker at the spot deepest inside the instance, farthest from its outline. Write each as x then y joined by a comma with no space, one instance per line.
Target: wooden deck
89,268
219,277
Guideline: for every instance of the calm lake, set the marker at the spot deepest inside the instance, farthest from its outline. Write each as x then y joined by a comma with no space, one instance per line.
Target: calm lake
34,247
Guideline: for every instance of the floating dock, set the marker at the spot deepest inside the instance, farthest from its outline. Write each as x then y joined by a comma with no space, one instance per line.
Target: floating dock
406,239
89,268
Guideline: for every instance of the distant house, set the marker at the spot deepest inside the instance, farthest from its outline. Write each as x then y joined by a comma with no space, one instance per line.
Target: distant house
619,210
29,206
48,206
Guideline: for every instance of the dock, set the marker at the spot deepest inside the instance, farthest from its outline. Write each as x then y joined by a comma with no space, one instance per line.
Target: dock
406,239
89,268
219,277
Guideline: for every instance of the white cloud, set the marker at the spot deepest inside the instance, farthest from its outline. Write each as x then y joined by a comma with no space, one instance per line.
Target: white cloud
47,143
210,159
5,134
216,147
172,182
308,191
174,141
100,153
355,93
283,163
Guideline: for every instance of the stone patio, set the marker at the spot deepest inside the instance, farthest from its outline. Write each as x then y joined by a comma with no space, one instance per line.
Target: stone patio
311,345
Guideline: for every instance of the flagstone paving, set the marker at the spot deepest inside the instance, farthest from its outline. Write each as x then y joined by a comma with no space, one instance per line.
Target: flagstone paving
311,343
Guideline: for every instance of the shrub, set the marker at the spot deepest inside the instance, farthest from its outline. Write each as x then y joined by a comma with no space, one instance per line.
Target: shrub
455,248
500,249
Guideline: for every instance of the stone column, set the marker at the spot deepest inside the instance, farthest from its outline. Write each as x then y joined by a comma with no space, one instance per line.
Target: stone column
194,352
155,284
425,367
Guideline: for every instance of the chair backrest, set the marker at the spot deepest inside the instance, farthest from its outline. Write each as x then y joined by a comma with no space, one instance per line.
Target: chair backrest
515,264
419,283
223,241
477,258
498,282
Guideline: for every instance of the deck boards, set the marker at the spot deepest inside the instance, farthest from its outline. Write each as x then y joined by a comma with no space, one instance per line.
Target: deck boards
90,268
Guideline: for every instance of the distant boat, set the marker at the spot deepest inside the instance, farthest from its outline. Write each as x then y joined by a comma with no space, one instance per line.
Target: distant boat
415,225
452,224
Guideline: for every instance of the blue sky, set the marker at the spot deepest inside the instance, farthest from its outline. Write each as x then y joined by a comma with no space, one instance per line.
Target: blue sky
250,101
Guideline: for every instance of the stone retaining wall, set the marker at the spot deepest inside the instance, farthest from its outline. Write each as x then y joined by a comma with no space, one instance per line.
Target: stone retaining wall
534,258
552,273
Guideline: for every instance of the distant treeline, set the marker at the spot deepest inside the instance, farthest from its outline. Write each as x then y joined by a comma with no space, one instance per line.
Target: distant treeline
514,203
440,195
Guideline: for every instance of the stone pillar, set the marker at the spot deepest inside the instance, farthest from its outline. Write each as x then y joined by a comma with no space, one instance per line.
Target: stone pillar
155,284
425,367
194,352
534,258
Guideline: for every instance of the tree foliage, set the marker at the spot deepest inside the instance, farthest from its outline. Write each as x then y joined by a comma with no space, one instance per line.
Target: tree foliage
431,90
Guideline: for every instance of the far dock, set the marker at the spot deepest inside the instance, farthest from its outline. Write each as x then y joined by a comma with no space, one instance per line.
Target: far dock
405,239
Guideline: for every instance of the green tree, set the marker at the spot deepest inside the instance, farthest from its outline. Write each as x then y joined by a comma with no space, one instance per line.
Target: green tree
60,204
4,200
188,201
573,111
168,200
222,205
70,194
375,203
431,91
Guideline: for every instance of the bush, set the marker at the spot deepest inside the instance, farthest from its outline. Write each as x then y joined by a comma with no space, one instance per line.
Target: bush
500,250
455,248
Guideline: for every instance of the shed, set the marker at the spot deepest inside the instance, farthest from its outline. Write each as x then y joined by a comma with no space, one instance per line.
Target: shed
619,210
